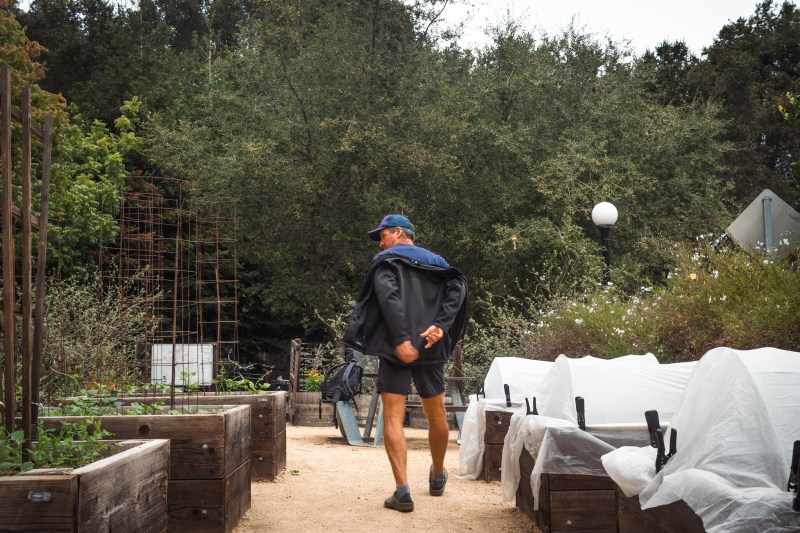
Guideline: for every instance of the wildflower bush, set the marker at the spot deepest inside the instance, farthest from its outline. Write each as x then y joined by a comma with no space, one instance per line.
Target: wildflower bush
715,294
313,380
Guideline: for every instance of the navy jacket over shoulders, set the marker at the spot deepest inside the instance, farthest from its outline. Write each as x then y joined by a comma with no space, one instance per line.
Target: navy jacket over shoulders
399,299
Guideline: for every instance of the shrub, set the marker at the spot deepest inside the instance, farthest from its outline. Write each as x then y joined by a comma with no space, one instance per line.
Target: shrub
717,295
313,380
91,333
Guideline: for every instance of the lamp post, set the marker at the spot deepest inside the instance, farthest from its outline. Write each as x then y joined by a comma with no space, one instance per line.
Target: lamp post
604,215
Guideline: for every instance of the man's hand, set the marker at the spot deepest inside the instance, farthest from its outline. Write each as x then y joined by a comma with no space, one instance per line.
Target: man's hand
433,335
406,352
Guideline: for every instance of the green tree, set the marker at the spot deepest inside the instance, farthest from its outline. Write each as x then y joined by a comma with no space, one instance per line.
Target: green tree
664,73
748,68
88,175
791,112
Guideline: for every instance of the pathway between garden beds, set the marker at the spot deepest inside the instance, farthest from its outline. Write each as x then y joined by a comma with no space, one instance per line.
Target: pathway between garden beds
331,486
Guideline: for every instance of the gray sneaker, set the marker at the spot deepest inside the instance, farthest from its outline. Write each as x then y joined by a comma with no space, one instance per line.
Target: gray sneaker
404,503
436,488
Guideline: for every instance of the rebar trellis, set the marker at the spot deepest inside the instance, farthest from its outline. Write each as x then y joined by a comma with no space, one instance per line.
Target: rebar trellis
180,255
217,274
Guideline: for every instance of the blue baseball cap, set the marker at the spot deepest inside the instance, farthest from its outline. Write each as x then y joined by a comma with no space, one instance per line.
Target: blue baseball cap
390,221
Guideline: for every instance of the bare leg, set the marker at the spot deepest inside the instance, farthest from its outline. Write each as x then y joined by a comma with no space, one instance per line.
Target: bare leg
438,431
394,409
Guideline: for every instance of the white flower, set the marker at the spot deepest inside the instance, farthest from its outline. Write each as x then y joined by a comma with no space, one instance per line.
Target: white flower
579,321
723,298
716,274
619,331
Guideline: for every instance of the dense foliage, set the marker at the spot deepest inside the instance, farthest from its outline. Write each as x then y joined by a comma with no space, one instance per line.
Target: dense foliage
321,117
716,295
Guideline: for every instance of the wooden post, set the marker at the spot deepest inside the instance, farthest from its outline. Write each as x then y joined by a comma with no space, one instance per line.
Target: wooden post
8,250
41,260
294,372
26,267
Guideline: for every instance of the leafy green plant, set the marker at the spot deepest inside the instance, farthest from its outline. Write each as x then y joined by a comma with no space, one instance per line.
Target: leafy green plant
137,408
188,385
89,403
313,380
73,445
11,452
244,385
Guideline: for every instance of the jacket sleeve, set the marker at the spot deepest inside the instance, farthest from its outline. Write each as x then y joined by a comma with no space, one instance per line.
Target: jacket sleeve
387,292
454,293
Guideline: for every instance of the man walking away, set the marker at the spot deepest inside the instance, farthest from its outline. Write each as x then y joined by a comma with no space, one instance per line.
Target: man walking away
411,312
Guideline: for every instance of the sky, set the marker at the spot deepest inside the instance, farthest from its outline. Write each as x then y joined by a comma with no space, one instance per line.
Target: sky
645,23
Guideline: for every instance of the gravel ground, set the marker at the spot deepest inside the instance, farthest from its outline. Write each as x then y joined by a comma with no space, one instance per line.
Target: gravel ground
331,486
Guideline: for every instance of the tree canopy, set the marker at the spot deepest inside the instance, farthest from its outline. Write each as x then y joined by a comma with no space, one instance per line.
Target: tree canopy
321,117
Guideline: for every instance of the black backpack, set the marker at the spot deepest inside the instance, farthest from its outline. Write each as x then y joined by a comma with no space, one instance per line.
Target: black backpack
342,382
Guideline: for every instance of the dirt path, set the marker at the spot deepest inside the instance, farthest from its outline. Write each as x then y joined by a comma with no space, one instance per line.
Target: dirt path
331,486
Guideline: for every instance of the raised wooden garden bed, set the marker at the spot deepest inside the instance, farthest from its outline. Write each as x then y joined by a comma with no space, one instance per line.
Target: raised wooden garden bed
568,502
497,424
267,425
209,464
126,492
571,502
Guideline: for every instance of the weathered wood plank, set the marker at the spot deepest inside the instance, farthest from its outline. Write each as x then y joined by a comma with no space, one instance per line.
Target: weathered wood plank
139,504
19,513
526,463
676,517
583,510
580,482
237,438
497,423
268,457
237,496
209,505
492,462
543,513
196,505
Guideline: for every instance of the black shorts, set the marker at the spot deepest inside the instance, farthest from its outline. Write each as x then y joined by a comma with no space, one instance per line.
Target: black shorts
396,378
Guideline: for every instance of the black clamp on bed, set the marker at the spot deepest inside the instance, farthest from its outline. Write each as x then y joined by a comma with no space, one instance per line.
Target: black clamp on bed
794,476
580,409
482,390
528,410
508,394
657,439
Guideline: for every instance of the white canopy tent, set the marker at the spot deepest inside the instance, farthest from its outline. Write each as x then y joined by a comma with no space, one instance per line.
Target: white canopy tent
616,393
736,425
